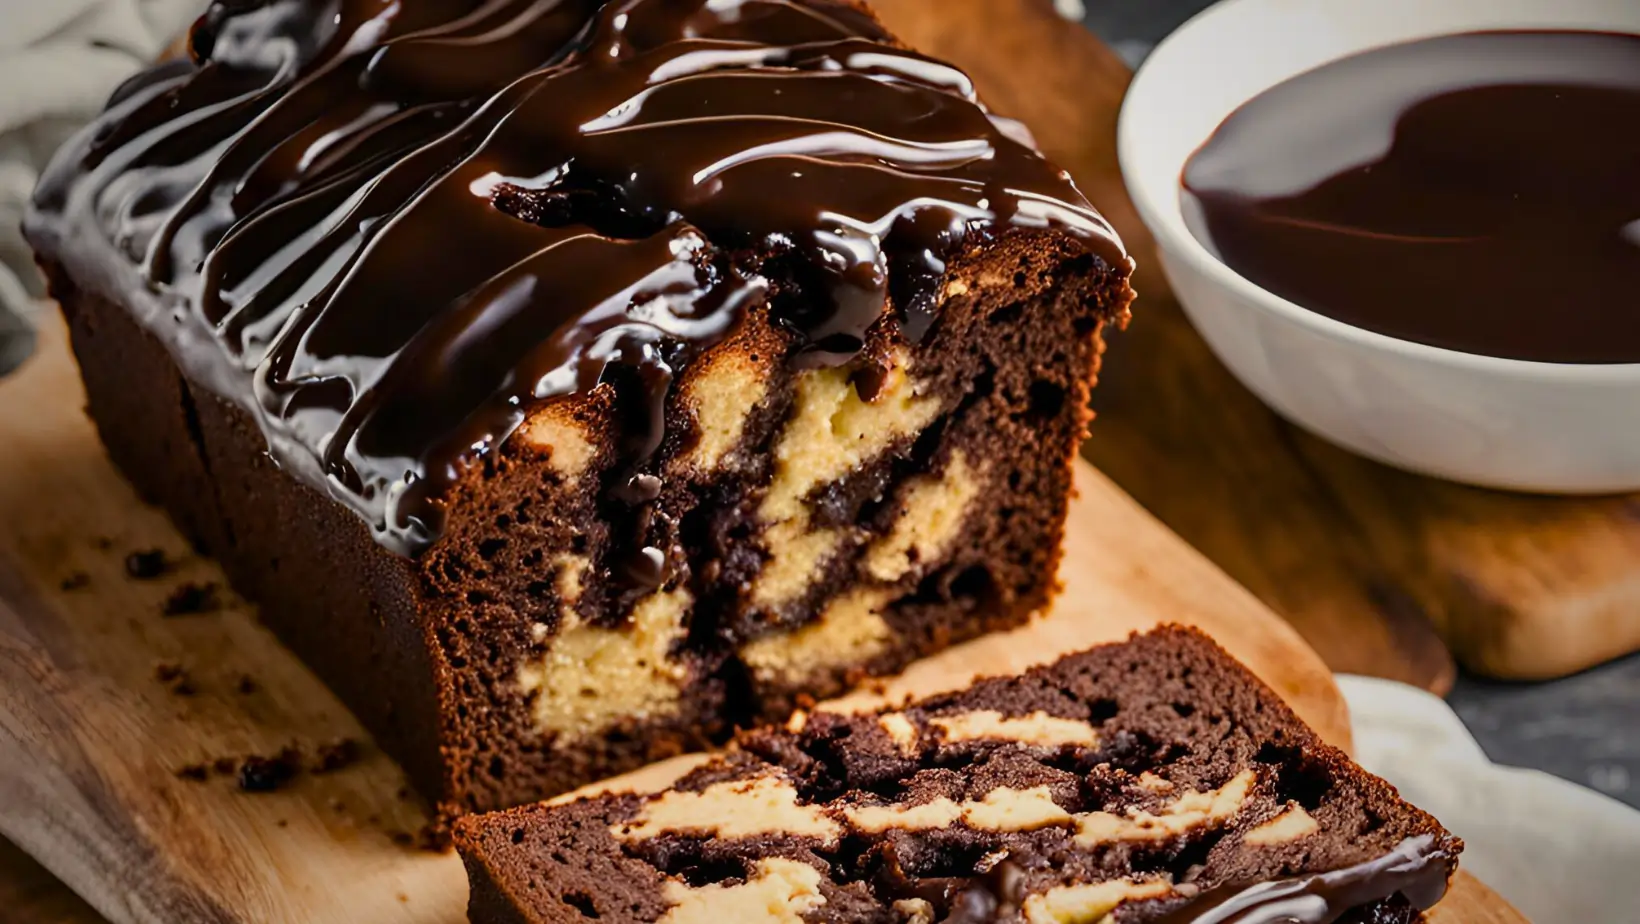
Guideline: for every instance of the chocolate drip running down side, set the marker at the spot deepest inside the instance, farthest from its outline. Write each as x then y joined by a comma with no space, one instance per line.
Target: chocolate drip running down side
392,231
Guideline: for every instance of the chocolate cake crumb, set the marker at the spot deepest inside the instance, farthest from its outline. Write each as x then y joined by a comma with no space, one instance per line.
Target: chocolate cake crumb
225,766
192,599
74,581
268,774
194,773
147,564
433,838
336,755
403,838
175,678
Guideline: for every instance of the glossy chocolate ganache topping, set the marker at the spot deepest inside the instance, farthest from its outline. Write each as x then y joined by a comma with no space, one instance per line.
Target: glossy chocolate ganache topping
390,230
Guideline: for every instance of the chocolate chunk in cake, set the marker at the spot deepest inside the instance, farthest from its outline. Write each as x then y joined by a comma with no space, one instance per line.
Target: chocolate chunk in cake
1151,781
147,564
570,382
258,773
175,678
191,599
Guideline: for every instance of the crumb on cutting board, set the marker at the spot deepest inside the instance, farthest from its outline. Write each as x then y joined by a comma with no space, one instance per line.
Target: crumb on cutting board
192,599
260,774
335,755
146,564
175,678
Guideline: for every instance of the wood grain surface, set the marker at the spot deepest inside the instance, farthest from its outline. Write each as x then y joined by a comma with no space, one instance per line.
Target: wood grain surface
1373,566
91,738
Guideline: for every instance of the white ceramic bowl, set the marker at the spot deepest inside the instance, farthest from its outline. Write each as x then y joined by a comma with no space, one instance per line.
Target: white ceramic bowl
1503,423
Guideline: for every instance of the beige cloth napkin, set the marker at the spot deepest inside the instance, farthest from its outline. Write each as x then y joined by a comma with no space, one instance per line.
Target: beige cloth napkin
59,59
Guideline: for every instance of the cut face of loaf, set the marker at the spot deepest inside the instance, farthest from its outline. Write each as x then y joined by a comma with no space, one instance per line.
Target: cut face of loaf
1153,781
829,536
572,382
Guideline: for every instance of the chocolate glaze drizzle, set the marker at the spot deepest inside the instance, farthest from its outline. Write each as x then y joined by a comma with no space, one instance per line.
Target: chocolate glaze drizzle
1416,869
391,230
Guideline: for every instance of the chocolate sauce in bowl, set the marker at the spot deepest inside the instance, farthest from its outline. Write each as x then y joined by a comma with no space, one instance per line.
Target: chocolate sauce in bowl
1478,192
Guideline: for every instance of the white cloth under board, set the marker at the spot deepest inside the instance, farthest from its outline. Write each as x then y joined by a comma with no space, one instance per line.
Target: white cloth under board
1558,852
59,59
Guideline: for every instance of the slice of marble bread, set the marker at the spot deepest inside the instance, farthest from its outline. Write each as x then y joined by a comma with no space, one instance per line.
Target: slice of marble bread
1153,780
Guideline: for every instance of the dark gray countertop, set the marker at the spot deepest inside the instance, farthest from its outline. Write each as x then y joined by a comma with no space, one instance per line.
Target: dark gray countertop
1584,728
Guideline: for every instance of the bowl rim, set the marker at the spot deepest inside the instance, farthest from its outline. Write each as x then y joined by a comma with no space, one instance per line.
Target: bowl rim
1163,214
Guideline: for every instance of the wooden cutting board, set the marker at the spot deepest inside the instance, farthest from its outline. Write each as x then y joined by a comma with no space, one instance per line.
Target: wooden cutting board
91,737
93,732
1375,567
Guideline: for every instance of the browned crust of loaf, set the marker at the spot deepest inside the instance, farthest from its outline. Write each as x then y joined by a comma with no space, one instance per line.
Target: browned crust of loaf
204,461
487,899
361,617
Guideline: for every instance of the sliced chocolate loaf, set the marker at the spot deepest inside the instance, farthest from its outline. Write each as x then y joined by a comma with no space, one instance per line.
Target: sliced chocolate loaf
1151,781
570,382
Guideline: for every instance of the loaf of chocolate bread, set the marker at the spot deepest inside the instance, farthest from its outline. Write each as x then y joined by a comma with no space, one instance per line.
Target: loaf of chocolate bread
1151,781
571,382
